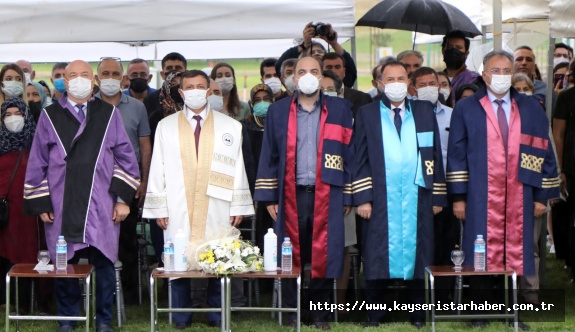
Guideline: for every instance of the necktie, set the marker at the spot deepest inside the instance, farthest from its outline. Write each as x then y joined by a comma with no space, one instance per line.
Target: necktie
397,121
197,132
81,112
502,120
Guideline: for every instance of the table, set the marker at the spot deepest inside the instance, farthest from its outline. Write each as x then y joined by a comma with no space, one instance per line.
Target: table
278,274
161,274
431,272
77,271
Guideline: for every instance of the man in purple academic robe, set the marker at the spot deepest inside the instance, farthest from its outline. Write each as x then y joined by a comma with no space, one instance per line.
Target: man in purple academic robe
81,176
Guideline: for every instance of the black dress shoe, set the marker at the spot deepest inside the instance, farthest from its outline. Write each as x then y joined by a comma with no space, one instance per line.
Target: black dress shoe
481,324
418,324
321,325
215,323
182,326
65,328
104,328
292,323
522,326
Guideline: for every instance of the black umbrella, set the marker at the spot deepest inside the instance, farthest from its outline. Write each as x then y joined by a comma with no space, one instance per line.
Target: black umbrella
433,17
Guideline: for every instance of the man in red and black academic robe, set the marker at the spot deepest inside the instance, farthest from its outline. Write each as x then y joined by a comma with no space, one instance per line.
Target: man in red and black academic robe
308,198
501,171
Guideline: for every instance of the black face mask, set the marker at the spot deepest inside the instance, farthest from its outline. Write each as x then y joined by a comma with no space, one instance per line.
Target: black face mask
138,85
453,58
175,94
35,108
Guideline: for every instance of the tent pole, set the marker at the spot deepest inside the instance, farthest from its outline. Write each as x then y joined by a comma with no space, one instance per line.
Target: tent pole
497,26
483,34
354,56
414,36
550,85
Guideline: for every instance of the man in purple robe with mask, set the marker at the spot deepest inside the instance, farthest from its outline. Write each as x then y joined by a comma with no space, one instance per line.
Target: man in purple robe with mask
455,49
81,177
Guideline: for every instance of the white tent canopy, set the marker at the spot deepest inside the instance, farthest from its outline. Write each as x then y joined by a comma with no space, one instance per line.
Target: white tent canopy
259,27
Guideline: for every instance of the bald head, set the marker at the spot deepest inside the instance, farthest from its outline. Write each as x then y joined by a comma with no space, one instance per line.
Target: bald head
78,68
27,69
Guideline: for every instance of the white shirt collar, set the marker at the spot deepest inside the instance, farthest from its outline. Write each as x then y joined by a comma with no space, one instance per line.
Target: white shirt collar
506,98
190,115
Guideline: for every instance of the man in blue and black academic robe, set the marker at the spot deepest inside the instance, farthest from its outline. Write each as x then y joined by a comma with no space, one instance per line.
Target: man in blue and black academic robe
501,171
398,185
308,198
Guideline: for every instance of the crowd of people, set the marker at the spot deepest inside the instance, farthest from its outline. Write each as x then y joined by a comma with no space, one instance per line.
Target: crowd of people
390,173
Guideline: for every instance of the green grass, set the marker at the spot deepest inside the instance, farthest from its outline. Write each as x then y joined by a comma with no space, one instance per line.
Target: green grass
139,316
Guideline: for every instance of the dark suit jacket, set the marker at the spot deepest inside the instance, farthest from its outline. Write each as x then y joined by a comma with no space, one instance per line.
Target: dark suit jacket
356,97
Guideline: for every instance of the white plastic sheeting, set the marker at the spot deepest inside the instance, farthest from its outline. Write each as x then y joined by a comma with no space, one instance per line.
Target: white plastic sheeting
561,22
260,27
527,10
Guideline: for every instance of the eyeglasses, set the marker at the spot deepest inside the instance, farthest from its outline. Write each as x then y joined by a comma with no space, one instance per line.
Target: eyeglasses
139,75
110,58
561,55
498,71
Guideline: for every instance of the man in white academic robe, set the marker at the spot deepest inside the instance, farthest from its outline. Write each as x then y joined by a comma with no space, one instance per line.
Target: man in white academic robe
197,181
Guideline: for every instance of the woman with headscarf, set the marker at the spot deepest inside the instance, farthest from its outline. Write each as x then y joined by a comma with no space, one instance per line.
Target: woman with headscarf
170,101
19,236
36,99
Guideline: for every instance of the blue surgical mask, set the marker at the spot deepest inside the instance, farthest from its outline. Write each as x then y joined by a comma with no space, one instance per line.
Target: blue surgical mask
59,85
261,109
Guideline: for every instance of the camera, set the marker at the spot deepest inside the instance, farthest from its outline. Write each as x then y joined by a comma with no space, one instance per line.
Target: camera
322,29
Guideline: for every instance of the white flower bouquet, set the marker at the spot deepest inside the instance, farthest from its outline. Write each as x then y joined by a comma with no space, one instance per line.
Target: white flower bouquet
229,255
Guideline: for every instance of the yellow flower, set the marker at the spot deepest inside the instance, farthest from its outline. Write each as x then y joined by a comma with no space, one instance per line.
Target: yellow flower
236,244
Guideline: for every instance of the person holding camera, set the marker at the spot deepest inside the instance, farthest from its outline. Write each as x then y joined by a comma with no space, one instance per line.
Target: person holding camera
310,48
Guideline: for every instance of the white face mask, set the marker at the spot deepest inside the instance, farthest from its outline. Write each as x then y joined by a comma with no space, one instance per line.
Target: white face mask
395,91
216,102
528,93
28,76
429,93
80,87
500,84
226,84
557,61
330,93
48,101
445,92
308,84
14,123
195,99
110,87
290,84
12,88
274,83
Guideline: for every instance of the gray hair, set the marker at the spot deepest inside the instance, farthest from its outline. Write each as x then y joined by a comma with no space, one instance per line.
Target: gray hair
287,63
492,54
408,53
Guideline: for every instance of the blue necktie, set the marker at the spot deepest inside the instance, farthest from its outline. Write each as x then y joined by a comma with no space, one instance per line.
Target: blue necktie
397,121
81,112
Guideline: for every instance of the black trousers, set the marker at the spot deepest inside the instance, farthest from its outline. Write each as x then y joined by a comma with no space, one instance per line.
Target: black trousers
446,229
377,292
128,254
319,289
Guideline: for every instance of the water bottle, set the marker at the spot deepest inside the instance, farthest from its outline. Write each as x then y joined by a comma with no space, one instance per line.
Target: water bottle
169,255
479,253
286,255
270,251
180,259
61,253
